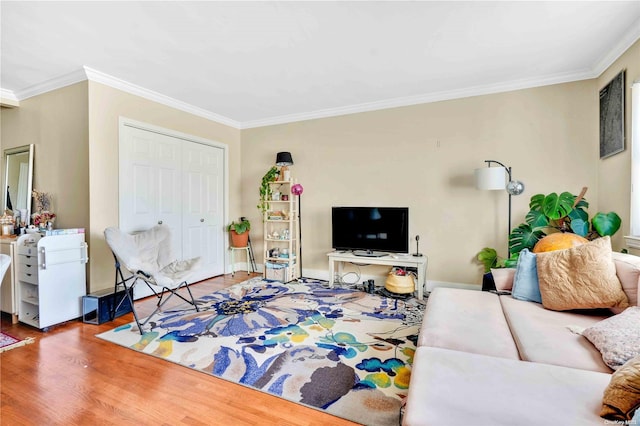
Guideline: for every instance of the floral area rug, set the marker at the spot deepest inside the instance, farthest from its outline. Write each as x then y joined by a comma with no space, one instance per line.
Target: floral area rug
8,342
340,350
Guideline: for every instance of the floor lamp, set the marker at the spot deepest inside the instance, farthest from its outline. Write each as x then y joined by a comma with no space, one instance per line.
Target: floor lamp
296,189
493,178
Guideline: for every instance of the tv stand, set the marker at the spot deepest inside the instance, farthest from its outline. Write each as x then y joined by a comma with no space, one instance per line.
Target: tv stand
369,253
420,263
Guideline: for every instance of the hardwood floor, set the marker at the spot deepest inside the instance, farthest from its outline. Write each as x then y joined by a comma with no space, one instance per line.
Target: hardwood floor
70,377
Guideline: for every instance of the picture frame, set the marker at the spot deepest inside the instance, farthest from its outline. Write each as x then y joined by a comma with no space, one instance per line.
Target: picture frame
612,116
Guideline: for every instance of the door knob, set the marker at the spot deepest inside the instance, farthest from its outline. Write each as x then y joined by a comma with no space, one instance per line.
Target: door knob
201,220
159,222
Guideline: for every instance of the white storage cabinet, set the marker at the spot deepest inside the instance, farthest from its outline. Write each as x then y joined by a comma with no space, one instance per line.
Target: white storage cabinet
51,278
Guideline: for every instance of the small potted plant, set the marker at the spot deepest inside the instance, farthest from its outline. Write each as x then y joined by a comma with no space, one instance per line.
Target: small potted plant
239,232
265,188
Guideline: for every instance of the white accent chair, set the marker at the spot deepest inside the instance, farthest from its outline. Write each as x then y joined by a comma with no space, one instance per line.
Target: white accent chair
147,257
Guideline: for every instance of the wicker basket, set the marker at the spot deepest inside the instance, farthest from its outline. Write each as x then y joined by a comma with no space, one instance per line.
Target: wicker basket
400,284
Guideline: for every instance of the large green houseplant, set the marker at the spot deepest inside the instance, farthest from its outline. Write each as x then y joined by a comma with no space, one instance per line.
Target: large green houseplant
548,214
561,213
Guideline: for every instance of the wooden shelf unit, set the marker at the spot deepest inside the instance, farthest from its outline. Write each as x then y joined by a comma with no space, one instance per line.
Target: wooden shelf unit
283,268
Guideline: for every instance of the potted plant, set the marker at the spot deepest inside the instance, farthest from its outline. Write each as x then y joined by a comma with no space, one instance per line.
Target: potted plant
265,188
239,232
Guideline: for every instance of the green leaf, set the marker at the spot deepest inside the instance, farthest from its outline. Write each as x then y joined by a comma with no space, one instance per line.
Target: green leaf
488,257
512,262
582,204
558,206
536,202
524,237
606,224
580,227
579,213
537,219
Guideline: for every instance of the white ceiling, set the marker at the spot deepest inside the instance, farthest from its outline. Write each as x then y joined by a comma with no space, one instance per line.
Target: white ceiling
248,64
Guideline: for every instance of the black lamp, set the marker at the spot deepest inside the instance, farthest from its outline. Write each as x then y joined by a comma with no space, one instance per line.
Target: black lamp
284,159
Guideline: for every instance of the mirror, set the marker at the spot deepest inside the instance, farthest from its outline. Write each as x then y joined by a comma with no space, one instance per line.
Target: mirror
18,180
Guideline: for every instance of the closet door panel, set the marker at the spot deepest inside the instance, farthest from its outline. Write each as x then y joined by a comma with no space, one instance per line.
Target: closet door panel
202,217
169,206
138,198
177,182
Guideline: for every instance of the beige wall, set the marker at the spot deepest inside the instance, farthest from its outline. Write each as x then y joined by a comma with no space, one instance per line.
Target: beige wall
423,157
57,123
614,173
106,105
420,156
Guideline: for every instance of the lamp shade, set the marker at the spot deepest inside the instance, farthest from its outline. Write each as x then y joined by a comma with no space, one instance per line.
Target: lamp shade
284,159
491,178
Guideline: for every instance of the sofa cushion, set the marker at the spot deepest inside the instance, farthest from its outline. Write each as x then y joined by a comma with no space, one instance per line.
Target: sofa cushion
466,320
456,388
618,337
628,271
582,277
525,283
544,336
622,396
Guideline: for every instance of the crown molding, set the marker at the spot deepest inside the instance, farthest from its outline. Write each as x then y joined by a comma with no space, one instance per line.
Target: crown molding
55,83
8,99
116,83
423,99
616,51
87,73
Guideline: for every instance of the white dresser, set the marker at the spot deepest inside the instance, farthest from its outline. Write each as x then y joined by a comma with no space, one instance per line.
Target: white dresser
51,278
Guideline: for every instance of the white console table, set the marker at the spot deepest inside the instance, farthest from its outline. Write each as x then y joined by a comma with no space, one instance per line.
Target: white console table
418,262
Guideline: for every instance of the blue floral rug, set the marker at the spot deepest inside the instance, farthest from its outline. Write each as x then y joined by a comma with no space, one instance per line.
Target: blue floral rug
340,350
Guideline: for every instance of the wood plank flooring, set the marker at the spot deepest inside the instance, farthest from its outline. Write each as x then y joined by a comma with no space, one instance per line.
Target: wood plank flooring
70,377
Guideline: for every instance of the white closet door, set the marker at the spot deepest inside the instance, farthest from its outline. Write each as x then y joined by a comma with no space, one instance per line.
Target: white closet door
150,193
202,207
167,177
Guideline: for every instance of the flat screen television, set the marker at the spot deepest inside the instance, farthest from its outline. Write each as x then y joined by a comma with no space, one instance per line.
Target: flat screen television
370,231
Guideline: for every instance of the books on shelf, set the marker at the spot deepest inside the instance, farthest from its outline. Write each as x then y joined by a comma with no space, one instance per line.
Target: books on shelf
63,231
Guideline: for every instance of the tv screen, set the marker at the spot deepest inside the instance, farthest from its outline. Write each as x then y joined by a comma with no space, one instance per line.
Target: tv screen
370,229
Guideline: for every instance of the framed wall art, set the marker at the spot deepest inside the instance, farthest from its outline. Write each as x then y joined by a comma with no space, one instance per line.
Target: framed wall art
612,117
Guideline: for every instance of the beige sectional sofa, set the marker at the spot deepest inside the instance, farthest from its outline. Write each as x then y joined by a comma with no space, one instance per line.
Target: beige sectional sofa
485,359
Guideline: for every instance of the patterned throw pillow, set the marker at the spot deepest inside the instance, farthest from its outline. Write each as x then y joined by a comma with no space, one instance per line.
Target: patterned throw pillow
622,396
617,337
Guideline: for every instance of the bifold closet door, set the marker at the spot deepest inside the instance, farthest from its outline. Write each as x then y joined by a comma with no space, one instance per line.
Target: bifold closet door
177,182
202,207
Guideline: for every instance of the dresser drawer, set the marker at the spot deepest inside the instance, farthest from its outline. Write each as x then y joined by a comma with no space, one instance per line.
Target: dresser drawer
28,268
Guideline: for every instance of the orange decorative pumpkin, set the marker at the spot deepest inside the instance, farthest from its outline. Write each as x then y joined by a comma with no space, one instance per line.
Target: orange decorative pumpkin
559,241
